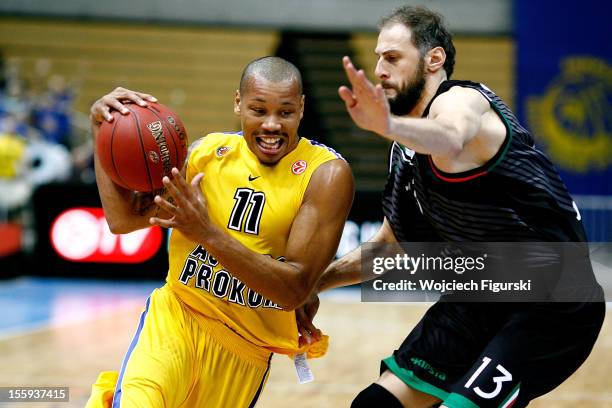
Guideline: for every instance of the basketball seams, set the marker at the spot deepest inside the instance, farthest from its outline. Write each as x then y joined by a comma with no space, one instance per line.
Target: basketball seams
144,153
112,156
122,157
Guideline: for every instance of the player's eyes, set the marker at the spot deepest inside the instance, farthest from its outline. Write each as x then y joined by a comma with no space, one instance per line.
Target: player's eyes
258,111
286,114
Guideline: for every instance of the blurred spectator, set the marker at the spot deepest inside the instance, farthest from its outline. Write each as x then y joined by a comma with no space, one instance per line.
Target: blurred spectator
52,110
14,99
15,188
37,115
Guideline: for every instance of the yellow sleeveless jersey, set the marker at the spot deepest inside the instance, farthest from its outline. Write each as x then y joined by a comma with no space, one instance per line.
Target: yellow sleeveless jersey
256,204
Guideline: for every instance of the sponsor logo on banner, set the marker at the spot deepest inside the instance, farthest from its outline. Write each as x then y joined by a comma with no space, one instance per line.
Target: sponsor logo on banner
571,117
82,235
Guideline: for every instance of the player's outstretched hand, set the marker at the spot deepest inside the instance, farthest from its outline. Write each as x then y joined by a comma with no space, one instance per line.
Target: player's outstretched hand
101,108
304,316
186,205
365,102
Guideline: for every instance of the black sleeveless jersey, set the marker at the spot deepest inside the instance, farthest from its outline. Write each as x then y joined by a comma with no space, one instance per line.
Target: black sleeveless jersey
516,196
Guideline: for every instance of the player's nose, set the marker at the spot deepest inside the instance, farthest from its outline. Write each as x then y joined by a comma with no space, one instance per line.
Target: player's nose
271,123
380,71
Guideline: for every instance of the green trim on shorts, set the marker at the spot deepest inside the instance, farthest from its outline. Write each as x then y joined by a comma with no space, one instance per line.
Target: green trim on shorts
458,401
412,380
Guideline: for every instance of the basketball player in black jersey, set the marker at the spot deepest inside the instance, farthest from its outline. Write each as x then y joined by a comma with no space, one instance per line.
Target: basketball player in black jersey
462,169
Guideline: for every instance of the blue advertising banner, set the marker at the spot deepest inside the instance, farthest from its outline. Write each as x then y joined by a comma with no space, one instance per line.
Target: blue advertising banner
565,87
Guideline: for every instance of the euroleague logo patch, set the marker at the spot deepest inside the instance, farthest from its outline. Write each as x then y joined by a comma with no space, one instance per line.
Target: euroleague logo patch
222,150
299,167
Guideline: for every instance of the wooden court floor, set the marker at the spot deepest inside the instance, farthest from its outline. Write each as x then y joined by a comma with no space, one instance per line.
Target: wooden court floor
361,334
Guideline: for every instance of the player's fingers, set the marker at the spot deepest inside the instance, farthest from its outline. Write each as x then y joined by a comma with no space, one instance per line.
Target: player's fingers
305,337
180,182
163,223
307,324
364,81
195,182
114,103
302,341
99,112
347,96
349,68
304,321
146,97
195,187
164,204
106,114
357,78
136,98
177,194
124,94
362,86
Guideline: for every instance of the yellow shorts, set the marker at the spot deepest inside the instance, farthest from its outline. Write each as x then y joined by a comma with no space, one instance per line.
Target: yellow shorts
175,360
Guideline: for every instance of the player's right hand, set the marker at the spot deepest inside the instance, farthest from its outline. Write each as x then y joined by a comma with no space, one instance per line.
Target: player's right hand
365,102
304,316
100,110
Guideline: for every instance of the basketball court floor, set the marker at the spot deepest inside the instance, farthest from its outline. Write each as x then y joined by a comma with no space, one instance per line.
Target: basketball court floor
57,332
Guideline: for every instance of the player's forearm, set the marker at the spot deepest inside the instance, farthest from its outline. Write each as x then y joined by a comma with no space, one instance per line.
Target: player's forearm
425,136
342,272
348,269
286,284
117,203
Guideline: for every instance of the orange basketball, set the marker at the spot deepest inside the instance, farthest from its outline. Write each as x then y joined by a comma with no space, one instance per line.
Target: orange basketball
136,150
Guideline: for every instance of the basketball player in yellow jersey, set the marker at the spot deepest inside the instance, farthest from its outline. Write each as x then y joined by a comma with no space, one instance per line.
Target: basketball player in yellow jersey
256,217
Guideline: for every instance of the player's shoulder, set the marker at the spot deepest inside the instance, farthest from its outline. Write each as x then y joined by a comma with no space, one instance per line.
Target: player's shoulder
221,138
315,148
463,90
215,142
329,164
462,95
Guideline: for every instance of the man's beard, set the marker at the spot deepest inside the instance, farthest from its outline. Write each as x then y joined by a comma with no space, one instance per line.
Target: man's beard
408,96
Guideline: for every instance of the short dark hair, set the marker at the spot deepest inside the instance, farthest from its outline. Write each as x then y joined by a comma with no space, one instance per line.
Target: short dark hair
273,69
428,31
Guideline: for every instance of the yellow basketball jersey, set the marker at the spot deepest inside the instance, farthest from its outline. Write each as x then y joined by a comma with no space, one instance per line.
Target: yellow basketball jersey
256,204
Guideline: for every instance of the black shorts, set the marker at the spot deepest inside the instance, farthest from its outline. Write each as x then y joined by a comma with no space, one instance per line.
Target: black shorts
496,354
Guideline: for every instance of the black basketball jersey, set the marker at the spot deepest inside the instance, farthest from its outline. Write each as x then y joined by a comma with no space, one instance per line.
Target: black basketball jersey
516,196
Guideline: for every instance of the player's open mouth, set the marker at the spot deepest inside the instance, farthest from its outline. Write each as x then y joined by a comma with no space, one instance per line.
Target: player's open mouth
269,144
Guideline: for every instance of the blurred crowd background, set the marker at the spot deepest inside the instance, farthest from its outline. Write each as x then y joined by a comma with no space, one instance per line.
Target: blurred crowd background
57,58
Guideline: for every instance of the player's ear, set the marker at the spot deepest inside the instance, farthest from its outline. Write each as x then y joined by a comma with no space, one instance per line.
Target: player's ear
435,59
237,103
302,100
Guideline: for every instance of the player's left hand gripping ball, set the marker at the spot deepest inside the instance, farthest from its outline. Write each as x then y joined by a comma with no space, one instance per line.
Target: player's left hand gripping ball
187,208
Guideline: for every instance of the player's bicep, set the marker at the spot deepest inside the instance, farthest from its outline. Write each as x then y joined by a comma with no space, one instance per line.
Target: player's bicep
317,229
460,110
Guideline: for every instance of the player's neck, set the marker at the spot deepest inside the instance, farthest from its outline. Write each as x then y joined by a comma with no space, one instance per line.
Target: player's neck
432,83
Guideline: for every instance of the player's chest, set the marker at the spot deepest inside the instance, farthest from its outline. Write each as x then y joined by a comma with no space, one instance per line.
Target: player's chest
251,202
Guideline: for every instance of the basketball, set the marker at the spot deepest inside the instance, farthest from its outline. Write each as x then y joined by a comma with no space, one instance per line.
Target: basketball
136,150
